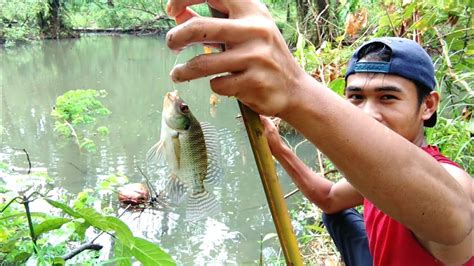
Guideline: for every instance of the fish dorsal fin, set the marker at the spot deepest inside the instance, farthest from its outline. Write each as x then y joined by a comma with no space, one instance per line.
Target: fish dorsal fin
214,162
156,154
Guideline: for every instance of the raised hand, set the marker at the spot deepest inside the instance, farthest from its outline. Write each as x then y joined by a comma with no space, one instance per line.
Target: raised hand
257,65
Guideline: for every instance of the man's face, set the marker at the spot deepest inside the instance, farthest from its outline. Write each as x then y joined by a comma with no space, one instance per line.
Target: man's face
389,99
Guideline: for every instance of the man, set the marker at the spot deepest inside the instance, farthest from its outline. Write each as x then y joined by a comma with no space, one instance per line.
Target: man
418,204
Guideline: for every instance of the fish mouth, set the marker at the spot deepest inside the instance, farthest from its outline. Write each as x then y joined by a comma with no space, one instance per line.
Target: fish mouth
172,95
170,99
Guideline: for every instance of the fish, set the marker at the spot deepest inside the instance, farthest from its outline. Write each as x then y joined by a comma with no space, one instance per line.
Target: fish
191,151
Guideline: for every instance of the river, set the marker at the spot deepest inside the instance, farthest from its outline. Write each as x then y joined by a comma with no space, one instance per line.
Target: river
134,71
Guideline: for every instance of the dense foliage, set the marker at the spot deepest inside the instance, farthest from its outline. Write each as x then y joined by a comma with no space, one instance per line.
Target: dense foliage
76,113
52,236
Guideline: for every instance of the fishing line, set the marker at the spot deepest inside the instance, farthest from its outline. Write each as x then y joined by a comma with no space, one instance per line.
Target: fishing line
173,84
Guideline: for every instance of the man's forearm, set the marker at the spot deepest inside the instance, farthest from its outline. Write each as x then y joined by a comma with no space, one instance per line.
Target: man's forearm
391,172
315,187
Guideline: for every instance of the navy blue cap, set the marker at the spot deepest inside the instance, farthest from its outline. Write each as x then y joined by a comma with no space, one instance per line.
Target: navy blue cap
408,60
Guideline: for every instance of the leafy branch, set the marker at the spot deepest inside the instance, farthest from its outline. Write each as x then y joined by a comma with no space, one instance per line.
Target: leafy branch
82,217
76,113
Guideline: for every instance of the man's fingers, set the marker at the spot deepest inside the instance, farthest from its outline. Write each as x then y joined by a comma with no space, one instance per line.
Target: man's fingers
225,85
176,7
210,30
234,84
266,122
210,64
184,16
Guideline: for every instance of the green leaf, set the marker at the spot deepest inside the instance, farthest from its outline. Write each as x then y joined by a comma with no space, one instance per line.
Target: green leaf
315,228
94,218
23,214
81,229
108,223
22,256
409,10
337,85
64,207
50,224
58,261
121,230
122,254
149,253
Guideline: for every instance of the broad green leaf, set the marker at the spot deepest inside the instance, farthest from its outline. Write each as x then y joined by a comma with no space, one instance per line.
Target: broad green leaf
22,256
409,11
149,253
50,224
81,229
122,254
337,85
64,207
94,218
108,223
121,230
23,214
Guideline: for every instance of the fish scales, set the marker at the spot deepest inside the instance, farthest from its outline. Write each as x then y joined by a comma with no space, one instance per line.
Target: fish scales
194,157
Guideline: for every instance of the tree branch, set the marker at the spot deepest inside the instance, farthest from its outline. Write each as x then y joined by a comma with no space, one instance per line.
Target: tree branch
27,158
80,249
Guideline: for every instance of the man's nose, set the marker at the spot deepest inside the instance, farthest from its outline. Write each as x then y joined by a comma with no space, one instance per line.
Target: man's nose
372,110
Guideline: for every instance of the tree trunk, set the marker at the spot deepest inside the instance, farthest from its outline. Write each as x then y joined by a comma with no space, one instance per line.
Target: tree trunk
312,19
306,23
55,19
52,24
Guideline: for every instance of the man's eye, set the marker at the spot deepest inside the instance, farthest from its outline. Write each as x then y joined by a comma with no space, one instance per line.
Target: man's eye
355,97
388,97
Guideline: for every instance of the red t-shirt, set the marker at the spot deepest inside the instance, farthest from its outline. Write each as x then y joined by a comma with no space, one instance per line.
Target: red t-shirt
390,242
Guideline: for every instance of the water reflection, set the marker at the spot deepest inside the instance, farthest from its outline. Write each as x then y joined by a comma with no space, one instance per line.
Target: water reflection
134,71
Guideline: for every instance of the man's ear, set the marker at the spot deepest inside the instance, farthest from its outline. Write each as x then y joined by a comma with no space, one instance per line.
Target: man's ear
429,105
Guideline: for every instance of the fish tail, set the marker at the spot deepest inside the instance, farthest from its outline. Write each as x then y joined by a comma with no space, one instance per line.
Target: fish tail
201,205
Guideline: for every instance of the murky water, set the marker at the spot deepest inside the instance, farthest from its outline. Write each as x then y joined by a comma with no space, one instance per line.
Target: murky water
134,71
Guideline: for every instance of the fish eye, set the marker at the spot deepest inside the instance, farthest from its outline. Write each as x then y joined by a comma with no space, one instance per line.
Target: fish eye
184,108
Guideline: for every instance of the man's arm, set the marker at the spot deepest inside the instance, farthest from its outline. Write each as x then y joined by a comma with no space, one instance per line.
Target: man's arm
399,178
462,252
329,197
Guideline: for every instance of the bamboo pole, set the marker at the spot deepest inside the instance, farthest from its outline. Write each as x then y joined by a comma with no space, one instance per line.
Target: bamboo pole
271,185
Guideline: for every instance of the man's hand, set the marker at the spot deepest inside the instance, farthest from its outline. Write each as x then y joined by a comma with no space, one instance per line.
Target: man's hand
273,136
260,70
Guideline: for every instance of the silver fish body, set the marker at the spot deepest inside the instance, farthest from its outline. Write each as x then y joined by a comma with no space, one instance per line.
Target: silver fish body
192,158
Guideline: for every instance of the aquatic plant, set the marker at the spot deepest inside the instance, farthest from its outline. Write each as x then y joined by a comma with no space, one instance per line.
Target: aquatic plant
76,113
